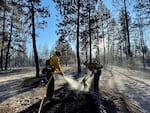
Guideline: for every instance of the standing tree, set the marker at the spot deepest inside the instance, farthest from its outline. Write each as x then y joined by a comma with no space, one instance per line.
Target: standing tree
64,47
33,37
3,8
104,15
78,20
69,25
35,9
10,39
142,10
123,7
124,40
127,30
15,24
91,9
90,15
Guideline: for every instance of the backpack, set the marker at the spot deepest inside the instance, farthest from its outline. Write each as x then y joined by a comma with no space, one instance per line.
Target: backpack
97,66
47,62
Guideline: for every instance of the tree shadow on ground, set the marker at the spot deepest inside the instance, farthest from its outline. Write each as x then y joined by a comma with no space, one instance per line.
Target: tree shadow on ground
14,87
14,72
136,68
134,79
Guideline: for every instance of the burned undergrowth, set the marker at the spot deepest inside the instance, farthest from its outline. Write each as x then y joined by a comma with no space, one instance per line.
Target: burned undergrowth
72,101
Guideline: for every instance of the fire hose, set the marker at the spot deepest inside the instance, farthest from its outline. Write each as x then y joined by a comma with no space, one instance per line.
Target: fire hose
39,111
45,91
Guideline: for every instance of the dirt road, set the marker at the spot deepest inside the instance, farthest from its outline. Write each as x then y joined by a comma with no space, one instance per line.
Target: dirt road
132,85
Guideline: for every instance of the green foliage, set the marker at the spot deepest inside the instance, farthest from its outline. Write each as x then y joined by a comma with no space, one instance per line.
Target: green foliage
68,55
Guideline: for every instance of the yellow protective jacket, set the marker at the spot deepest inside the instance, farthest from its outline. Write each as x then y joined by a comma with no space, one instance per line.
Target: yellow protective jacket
55,63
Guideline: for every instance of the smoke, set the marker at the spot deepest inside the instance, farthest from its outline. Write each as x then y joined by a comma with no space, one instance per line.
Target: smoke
113,82
76,85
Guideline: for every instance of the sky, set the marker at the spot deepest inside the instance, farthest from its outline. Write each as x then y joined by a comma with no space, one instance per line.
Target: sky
47,36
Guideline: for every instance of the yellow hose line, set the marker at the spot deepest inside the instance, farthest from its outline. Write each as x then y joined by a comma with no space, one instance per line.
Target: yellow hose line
39,111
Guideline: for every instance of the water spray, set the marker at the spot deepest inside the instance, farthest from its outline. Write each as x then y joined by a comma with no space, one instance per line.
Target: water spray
74,84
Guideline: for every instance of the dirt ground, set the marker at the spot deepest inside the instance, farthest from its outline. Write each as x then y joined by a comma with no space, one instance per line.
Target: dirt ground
72,101
24,94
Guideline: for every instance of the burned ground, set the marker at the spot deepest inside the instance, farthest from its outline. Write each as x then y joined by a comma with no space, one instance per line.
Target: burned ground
72,101
21,92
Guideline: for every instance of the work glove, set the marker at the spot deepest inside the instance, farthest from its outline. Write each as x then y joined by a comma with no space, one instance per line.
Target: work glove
84,80
61,74
91,75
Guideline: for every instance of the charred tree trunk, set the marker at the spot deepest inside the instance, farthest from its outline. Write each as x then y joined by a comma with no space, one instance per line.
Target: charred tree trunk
86,53
127,30
90,34
143,57
9,42
3,35
103,41
34,41
78,56
108,48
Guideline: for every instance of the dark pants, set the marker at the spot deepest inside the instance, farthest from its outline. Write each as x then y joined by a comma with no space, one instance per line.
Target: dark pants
96,81
50,89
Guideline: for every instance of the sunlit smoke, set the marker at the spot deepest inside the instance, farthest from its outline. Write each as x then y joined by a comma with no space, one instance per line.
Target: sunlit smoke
113,82
75,84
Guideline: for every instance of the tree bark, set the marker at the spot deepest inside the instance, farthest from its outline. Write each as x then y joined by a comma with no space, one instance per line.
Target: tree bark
9,42
3,39
90,34
34,41
78,56
127,29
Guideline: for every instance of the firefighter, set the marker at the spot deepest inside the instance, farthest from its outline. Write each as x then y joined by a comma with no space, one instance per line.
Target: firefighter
54,67
96,71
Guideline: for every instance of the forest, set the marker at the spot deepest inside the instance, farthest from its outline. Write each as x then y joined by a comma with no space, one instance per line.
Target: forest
118,37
